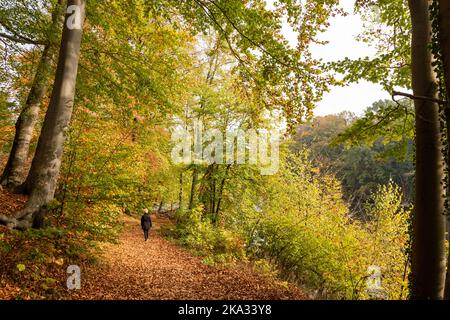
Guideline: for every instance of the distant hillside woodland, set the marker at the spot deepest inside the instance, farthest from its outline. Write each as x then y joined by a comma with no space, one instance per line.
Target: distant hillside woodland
91,92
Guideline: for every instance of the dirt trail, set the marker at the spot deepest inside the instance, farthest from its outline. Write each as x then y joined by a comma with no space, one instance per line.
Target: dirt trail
159,269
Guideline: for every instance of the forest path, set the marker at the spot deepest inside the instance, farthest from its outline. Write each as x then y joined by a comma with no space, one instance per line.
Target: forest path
159,269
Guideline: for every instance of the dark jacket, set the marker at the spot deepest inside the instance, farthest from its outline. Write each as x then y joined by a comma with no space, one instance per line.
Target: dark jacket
146,221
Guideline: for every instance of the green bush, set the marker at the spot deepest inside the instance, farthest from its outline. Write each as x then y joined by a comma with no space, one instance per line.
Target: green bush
35,260
204,238
298,222
301,224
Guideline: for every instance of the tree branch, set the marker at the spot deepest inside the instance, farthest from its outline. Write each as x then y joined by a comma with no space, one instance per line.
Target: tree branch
413,97
258,45
19,39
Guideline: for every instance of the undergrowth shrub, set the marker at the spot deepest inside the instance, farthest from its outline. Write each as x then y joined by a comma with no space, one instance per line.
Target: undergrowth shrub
298,222
199,234
307,231
34,262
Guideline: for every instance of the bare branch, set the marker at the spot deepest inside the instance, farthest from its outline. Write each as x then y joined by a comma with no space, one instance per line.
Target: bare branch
258,45
413,97
19,39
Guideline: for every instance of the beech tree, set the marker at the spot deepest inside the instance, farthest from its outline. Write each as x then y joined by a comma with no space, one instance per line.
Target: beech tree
143,66
444,39
409,64
428,245
46,164
14,171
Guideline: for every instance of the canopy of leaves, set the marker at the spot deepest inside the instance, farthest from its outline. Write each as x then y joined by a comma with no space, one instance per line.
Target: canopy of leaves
387,29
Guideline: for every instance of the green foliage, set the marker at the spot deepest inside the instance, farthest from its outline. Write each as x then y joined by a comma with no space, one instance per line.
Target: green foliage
5,112
6,124
27,21
306,230
296,225
205,239
365,168
146,66
394,122
34,261
362,153
387,29
388,227
288,79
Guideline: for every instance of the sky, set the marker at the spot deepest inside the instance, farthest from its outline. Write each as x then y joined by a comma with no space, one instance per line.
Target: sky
342,43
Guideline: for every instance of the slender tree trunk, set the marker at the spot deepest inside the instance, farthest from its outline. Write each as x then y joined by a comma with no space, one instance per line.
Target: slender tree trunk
222,187
213,190
447,277
14,171
444,35
428,239
213,64
46,164
180,196
193,187
205,194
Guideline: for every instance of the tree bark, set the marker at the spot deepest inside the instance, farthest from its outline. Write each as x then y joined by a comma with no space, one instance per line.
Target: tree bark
212,191
180,195
447,221
193,187
45,168
428,238
14,171
222,187
444,37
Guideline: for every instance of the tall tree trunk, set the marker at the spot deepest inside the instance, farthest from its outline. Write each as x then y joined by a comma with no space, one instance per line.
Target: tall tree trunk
213,190
180,195
205,193
428,239
222,187
14,171
444,35
447,221
46,164
193,187
213,65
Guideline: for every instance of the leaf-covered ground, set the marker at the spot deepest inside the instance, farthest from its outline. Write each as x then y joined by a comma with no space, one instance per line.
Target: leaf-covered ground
159,269
10,202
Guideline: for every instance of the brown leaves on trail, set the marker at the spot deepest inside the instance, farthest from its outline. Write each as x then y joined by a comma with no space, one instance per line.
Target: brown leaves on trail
10,202
8,291
158,269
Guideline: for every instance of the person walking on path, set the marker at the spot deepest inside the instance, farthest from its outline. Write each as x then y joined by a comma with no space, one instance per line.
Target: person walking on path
146,223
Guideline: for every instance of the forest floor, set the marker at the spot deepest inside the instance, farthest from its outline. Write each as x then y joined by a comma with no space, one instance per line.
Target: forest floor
160,269
10,202
153,269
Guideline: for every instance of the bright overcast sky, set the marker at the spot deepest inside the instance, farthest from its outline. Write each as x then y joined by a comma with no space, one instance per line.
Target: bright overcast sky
341,36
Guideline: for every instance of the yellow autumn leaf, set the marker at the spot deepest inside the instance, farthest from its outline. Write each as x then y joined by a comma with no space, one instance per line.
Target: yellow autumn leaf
59,261
20,267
